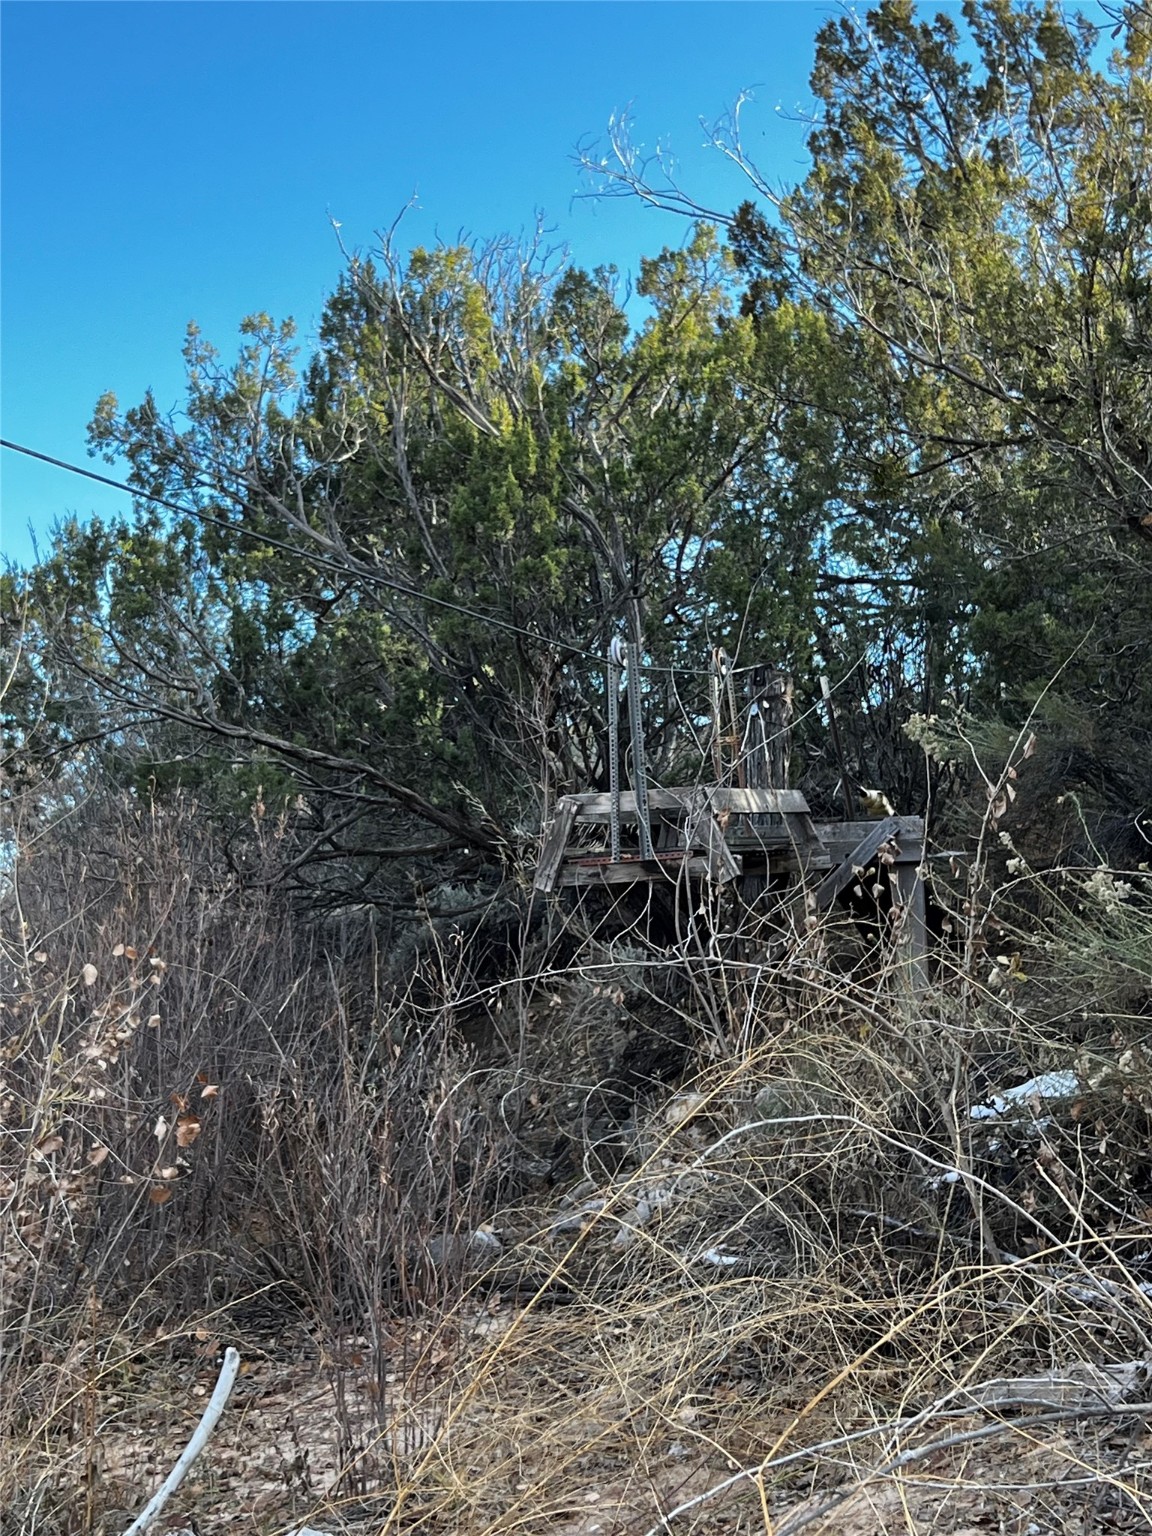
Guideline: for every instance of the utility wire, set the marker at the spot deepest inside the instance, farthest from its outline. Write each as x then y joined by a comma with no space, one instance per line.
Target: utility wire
366,573
356,568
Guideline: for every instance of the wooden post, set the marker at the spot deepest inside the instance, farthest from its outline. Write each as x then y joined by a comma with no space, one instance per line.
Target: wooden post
769,749
777,714
847,798
911,949
769,733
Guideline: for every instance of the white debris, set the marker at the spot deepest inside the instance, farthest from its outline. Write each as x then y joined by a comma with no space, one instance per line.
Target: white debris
717,1258
1049,1085
683,1108
953,1176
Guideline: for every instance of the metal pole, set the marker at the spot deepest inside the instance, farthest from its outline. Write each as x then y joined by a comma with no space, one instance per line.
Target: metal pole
847,793
724,691
636,724
615,668
639,756
719,663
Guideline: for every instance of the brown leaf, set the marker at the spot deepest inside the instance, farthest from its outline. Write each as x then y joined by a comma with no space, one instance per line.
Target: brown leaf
118,951
89,974
159,1194
154,1021
187,1130
49,1144
210,1091
97,1155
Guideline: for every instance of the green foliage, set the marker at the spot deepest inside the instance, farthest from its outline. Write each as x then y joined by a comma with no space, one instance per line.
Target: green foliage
398,576
976,229
898,431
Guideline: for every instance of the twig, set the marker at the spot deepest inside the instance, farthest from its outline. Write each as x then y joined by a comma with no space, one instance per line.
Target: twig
804,1517
199,1440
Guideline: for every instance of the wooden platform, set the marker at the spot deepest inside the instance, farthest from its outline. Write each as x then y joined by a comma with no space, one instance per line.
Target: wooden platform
698,832
718,834
721,833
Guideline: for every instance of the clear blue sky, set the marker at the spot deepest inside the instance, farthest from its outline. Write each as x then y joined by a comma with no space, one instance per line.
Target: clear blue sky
168,162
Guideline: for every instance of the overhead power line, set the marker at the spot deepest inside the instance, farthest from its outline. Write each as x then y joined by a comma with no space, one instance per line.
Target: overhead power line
366,573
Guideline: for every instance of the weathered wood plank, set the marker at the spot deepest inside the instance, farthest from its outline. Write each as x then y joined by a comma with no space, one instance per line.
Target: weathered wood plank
804,824
555,842
747,802
840,838
792,832
740,802
753,839
912,935
702,830
786,859
628,872
879,833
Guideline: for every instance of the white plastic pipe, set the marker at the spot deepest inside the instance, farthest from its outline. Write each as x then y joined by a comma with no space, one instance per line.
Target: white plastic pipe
211,1416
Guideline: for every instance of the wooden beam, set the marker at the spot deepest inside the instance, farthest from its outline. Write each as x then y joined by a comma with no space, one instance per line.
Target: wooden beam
746,802
911,950
749,838
737,802
555,842
703,831
841,837
628,872
793,831
865,850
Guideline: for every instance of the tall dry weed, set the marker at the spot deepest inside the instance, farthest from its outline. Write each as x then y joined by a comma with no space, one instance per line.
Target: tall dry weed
834,1229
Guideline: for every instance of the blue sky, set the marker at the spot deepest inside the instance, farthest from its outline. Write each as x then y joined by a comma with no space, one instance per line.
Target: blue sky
168,162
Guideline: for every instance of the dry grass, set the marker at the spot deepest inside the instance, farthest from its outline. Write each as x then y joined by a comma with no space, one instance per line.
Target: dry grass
800,1287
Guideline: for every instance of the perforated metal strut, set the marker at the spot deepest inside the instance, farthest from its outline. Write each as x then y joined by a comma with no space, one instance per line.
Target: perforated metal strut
715,686
639,756
615,669
734,720
624,662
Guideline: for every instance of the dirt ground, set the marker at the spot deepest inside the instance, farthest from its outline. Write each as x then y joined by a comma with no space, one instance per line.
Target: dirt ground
343,1447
